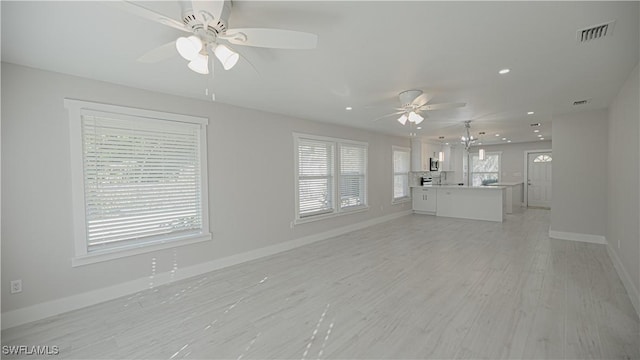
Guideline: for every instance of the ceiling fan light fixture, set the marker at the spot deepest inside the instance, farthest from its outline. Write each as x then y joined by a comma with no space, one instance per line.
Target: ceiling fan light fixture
200,64
403,119
189,47
227,57
415,118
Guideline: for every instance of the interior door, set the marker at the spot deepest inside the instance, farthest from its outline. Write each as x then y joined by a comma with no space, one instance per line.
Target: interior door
539,179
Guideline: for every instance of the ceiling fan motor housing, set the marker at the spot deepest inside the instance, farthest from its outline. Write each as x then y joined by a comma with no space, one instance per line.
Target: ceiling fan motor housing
196,21
190,20
407,97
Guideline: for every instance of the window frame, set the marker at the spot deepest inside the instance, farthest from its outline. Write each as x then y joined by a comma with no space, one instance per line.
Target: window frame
402,199
76,110
337,209
330,180
487,153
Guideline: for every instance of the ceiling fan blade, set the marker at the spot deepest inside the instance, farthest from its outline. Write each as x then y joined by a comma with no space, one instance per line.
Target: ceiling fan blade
208,10
388,115
160,53
143,12
443,106
271,38
421,100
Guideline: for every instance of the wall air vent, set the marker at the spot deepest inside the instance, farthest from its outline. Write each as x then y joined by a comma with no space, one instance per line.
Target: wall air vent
581,102
595,32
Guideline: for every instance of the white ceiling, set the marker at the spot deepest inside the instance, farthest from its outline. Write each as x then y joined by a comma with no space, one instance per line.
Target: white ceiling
368,51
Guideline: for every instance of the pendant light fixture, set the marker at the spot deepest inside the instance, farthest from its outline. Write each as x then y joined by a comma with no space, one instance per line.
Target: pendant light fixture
481,150
469,139
441,153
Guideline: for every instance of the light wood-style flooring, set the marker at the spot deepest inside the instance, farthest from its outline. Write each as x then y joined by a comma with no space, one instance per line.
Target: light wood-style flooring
415,287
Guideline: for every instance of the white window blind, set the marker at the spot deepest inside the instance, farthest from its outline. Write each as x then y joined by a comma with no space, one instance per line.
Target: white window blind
331,176
142,181
400,173
353,159
315,177
138,180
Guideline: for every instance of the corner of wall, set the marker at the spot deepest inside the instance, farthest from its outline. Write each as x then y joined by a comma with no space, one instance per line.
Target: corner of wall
632,291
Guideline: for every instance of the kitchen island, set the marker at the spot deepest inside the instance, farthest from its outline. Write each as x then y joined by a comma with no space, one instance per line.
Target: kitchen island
513,195
466,202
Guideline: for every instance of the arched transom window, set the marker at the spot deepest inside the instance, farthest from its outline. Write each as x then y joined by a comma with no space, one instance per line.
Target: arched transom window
542,158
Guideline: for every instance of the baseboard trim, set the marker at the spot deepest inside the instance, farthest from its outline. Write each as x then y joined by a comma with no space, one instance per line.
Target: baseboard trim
588,238
632,291
58,306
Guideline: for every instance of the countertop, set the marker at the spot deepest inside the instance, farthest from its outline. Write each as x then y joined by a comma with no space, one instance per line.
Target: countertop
461,187
505,184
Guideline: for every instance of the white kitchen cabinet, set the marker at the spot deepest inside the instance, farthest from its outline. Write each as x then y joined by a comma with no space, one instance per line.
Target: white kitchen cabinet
421,152
425,200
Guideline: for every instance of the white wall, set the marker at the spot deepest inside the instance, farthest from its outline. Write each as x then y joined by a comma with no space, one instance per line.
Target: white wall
623,195
251,184
579,203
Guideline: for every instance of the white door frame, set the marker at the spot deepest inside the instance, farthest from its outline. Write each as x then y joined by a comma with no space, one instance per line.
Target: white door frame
525,195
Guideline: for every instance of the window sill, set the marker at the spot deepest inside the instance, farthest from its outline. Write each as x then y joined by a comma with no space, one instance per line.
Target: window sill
353,210
401,200
136,250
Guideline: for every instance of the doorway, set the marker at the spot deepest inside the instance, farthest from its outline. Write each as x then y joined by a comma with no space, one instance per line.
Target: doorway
538,178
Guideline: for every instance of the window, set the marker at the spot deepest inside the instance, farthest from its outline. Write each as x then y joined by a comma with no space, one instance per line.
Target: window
400,174
328,169
139,180
487,171
353,160
315,177
542,158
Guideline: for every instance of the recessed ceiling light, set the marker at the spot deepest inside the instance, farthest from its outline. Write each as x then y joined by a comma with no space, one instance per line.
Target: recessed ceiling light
508,140
541,138
348,108
503,71
497,134
419,128
539,135
446,143
536,130
530,113
504,138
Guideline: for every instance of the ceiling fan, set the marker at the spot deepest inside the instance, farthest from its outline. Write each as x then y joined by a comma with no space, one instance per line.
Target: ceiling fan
413,103
206,21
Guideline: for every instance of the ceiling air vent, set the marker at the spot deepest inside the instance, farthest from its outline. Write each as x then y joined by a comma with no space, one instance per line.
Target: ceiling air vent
595,32
581,102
